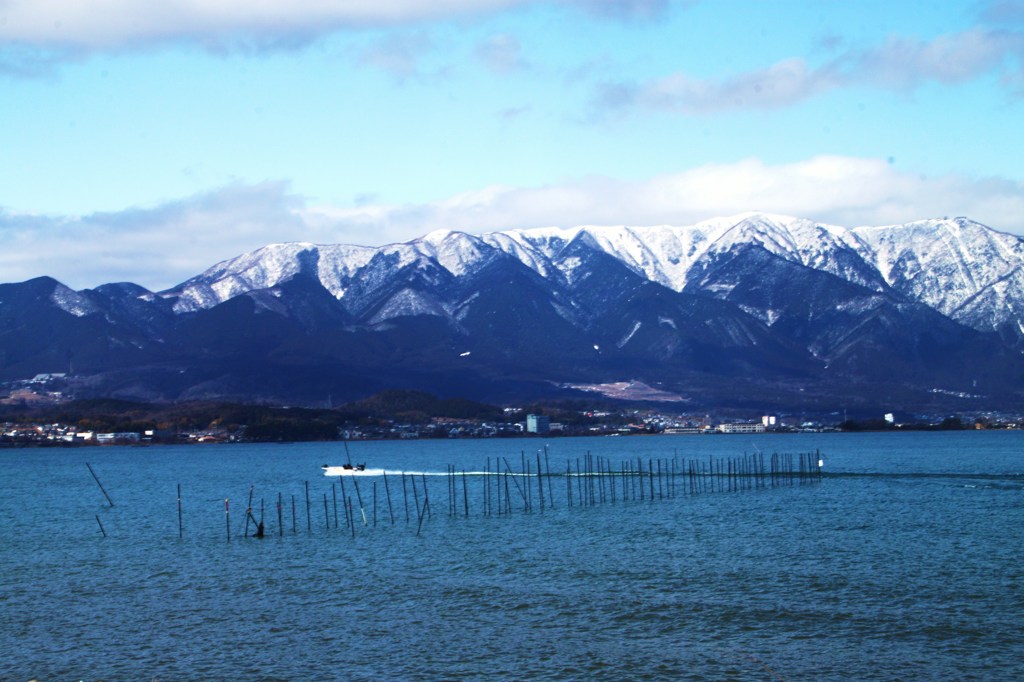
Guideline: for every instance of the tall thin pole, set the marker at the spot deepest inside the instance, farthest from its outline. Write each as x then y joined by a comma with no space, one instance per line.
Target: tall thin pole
100,484
387,491
181,531
405,496
309,518
426,497
248,511
547,465
334,494
359,496
540,483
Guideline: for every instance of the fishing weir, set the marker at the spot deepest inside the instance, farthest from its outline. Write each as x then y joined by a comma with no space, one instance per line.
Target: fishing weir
360,499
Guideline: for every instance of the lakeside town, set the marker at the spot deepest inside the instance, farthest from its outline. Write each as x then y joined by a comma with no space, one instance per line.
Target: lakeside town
591,423
36,412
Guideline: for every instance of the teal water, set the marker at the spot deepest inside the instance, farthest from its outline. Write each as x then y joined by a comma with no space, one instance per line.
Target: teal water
903,562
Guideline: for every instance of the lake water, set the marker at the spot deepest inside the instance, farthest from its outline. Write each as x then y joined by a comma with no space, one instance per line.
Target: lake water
903,563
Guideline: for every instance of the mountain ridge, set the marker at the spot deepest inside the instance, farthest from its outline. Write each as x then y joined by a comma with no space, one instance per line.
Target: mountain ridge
757,307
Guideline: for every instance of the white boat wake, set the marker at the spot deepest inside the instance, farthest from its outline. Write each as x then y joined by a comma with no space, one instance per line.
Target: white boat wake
344,471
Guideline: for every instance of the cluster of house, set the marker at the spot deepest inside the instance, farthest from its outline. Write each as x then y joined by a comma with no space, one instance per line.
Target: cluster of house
69,434
57,434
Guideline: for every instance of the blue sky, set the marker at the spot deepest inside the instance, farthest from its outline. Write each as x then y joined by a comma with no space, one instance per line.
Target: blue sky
145,141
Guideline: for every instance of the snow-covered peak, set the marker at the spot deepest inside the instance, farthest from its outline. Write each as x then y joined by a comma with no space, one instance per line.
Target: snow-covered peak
957,266
456,252
260,269
946,263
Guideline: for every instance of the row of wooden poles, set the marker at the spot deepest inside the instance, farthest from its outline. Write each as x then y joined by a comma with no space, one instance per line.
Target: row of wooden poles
349,505
591,480
588,481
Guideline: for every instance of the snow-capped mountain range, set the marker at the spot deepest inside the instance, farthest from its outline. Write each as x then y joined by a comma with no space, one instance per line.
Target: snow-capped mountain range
767,306
961,268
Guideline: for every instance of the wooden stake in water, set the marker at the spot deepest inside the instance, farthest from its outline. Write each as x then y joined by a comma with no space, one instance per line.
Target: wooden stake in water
568,483
387,492
100,484
101,525
334,497
181,531
309,518
508,470
547,465
227,518
426,497
344,496
248,511
405,497
540,483
352,516
359,496
415,496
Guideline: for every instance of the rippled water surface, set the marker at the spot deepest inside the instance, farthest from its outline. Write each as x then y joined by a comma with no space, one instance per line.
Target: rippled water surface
904,562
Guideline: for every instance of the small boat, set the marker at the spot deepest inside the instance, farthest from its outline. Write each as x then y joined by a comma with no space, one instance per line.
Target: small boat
346,467
350,470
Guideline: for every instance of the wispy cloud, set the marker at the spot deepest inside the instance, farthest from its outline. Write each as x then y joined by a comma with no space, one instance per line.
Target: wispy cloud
628,9
899,64
155,247
501,53
161,246
779,85
399,54
904,63
1004,12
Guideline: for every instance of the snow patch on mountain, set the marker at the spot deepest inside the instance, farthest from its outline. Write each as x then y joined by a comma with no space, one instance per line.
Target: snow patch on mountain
406,303
72,302
629,335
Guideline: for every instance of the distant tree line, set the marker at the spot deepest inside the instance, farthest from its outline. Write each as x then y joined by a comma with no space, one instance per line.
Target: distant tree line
947,424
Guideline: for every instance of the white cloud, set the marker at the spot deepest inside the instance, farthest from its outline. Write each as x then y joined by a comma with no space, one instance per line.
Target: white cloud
841,190
156,247
899,64
90,25
103,24
162,246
